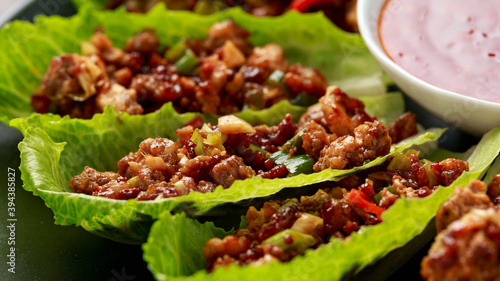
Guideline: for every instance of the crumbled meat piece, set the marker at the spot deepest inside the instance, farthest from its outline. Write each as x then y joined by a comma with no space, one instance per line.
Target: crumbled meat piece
193,167
270,57
305,79
231,55
89,178
403,127
388,198
370,140
164,189
337,113
71,78
205,186
117,189
256,218
335,156
315,139
229,170
234,87
145,43
373,140
468,249
408,187
278,171
184,134
450,169
207,95
494,189
229,245
160,86
214,70
221,32
462,200
124,76
122,99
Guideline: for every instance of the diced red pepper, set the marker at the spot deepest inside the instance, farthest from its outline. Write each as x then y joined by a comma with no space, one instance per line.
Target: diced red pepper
364,202
304,5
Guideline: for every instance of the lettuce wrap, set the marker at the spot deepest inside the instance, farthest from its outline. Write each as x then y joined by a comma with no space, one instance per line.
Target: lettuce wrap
181,257
56,148
309,39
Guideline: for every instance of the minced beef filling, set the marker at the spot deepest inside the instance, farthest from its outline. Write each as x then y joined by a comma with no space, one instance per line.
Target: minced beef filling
222,75
281,230
206,156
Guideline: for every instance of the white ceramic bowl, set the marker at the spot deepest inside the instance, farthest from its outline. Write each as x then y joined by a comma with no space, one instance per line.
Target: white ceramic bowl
471,115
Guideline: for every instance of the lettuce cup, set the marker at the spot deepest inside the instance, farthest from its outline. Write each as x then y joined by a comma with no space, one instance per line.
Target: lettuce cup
56,149
339,257
81,70
342,13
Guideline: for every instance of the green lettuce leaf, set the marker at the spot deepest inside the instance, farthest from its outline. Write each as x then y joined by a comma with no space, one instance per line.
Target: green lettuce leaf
388,107
57,148
492,171
310,39
402,222
96,4
184,243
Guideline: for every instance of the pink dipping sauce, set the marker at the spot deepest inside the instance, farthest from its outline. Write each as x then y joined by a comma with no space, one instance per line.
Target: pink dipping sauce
451,44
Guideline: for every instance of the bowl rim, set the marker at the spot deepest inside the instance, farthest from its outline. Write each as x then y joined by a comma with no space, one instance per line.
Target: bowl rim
371,38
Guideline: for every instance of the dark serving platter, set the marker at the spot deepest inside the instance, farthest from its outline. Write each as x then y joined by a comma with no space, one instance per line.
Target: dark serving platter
45,251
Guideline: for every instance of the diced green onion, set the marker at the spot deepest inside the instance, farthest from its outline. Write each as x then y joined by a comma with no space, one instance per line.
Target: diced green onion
295,142
276,78
300,164
307,224
212,140
255,148
377,197
297,164
431,175
187,63
304,99
176,52
198,140
134,181
399,162
391,189
299,241
206,128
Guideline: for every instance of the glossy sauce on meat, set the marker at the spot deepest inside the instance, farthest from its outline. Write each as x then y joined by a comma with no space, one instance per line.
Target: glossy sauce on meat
452,44
220,75
282,230
205,156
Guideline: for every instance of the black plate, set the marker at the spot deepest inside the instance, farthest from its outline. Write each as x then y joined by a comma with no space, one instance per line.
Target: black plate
45,251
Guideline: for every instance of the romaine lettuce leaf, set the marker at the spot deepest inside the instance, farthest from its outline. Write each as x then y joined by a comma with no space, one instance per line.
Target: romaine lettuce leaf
27,49
56,149
97,4
184,243
334,261
492,171
386,108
